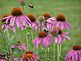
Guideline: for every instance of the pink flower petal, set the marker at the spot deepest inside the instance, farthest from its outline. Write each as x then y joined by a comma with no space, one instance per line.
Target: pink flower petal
18,23
12,21
24,46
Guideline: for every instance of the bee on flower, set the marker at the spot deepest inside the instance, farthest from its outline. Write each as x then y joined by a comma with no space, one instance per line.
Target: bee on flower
59,35
43,38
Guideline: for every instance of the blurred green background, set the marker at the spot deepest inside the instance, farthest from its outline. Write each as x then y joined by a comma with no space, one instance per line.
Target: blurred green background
71,9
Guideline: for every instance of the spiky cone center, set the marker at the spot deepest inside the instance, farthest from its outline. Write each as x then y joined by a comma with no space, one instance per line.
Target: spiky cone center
29,52
76,47
4,20
61,18
58,30
46,16
42,34
16,12
32,18
29,55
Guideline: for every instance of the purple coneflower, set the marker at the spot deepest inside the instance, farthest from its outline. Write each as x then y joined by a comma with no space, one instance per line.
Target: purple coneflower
74,54
46,16
19,46
5,25
59,35
34,22
48,21
43,38
18,17
61,22
30,56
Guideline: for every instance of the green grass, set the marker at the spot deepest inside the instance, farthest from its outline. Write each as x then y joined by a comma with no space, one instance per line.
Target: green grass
71,9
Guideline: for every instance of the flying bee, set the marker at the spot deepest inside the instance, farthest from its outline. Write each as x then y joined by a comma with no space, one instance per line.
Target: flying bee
31,5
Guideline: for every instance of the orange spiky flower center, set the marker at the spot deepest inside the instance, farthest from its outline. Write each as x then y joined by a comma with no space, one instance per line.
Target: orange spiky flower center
46,16
42,34
32,17
76,47
16,12
29,55
61,18
58,30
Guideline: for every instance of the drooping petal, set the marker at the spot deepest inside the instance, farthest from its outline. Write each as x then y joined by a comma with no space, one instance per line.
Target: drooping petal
67,25
59,39
35,57
12,21
18,23
5,28
57,24
65,33
23,21
36,41
56,40
24,46
22,27
61,25
19,47
13,46
67,38
12,28
27,20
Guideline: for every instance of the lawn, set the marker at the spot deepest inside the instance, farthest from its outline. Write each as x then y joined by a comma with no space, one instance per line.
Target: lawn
71,9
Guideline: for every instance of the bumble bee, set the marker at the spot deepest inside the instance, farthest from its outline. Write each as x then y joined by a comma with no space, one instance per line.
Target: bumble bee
45,30
31,5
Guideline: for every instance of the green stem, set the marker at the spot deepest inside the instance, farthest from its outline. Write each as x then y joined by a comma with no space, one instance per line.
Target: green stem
58,59
27,39
54,52
8,34
60,49
9,49
27,42
46,55
23,9
40,26
32,33
48,52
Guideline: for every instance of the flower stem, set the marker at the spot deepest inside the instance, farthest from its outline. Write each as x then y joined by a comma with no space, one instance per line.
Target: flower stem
59,52
60,49
9,49
27,39
46,54
54,51
40,26
32,33
23,9
58,59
